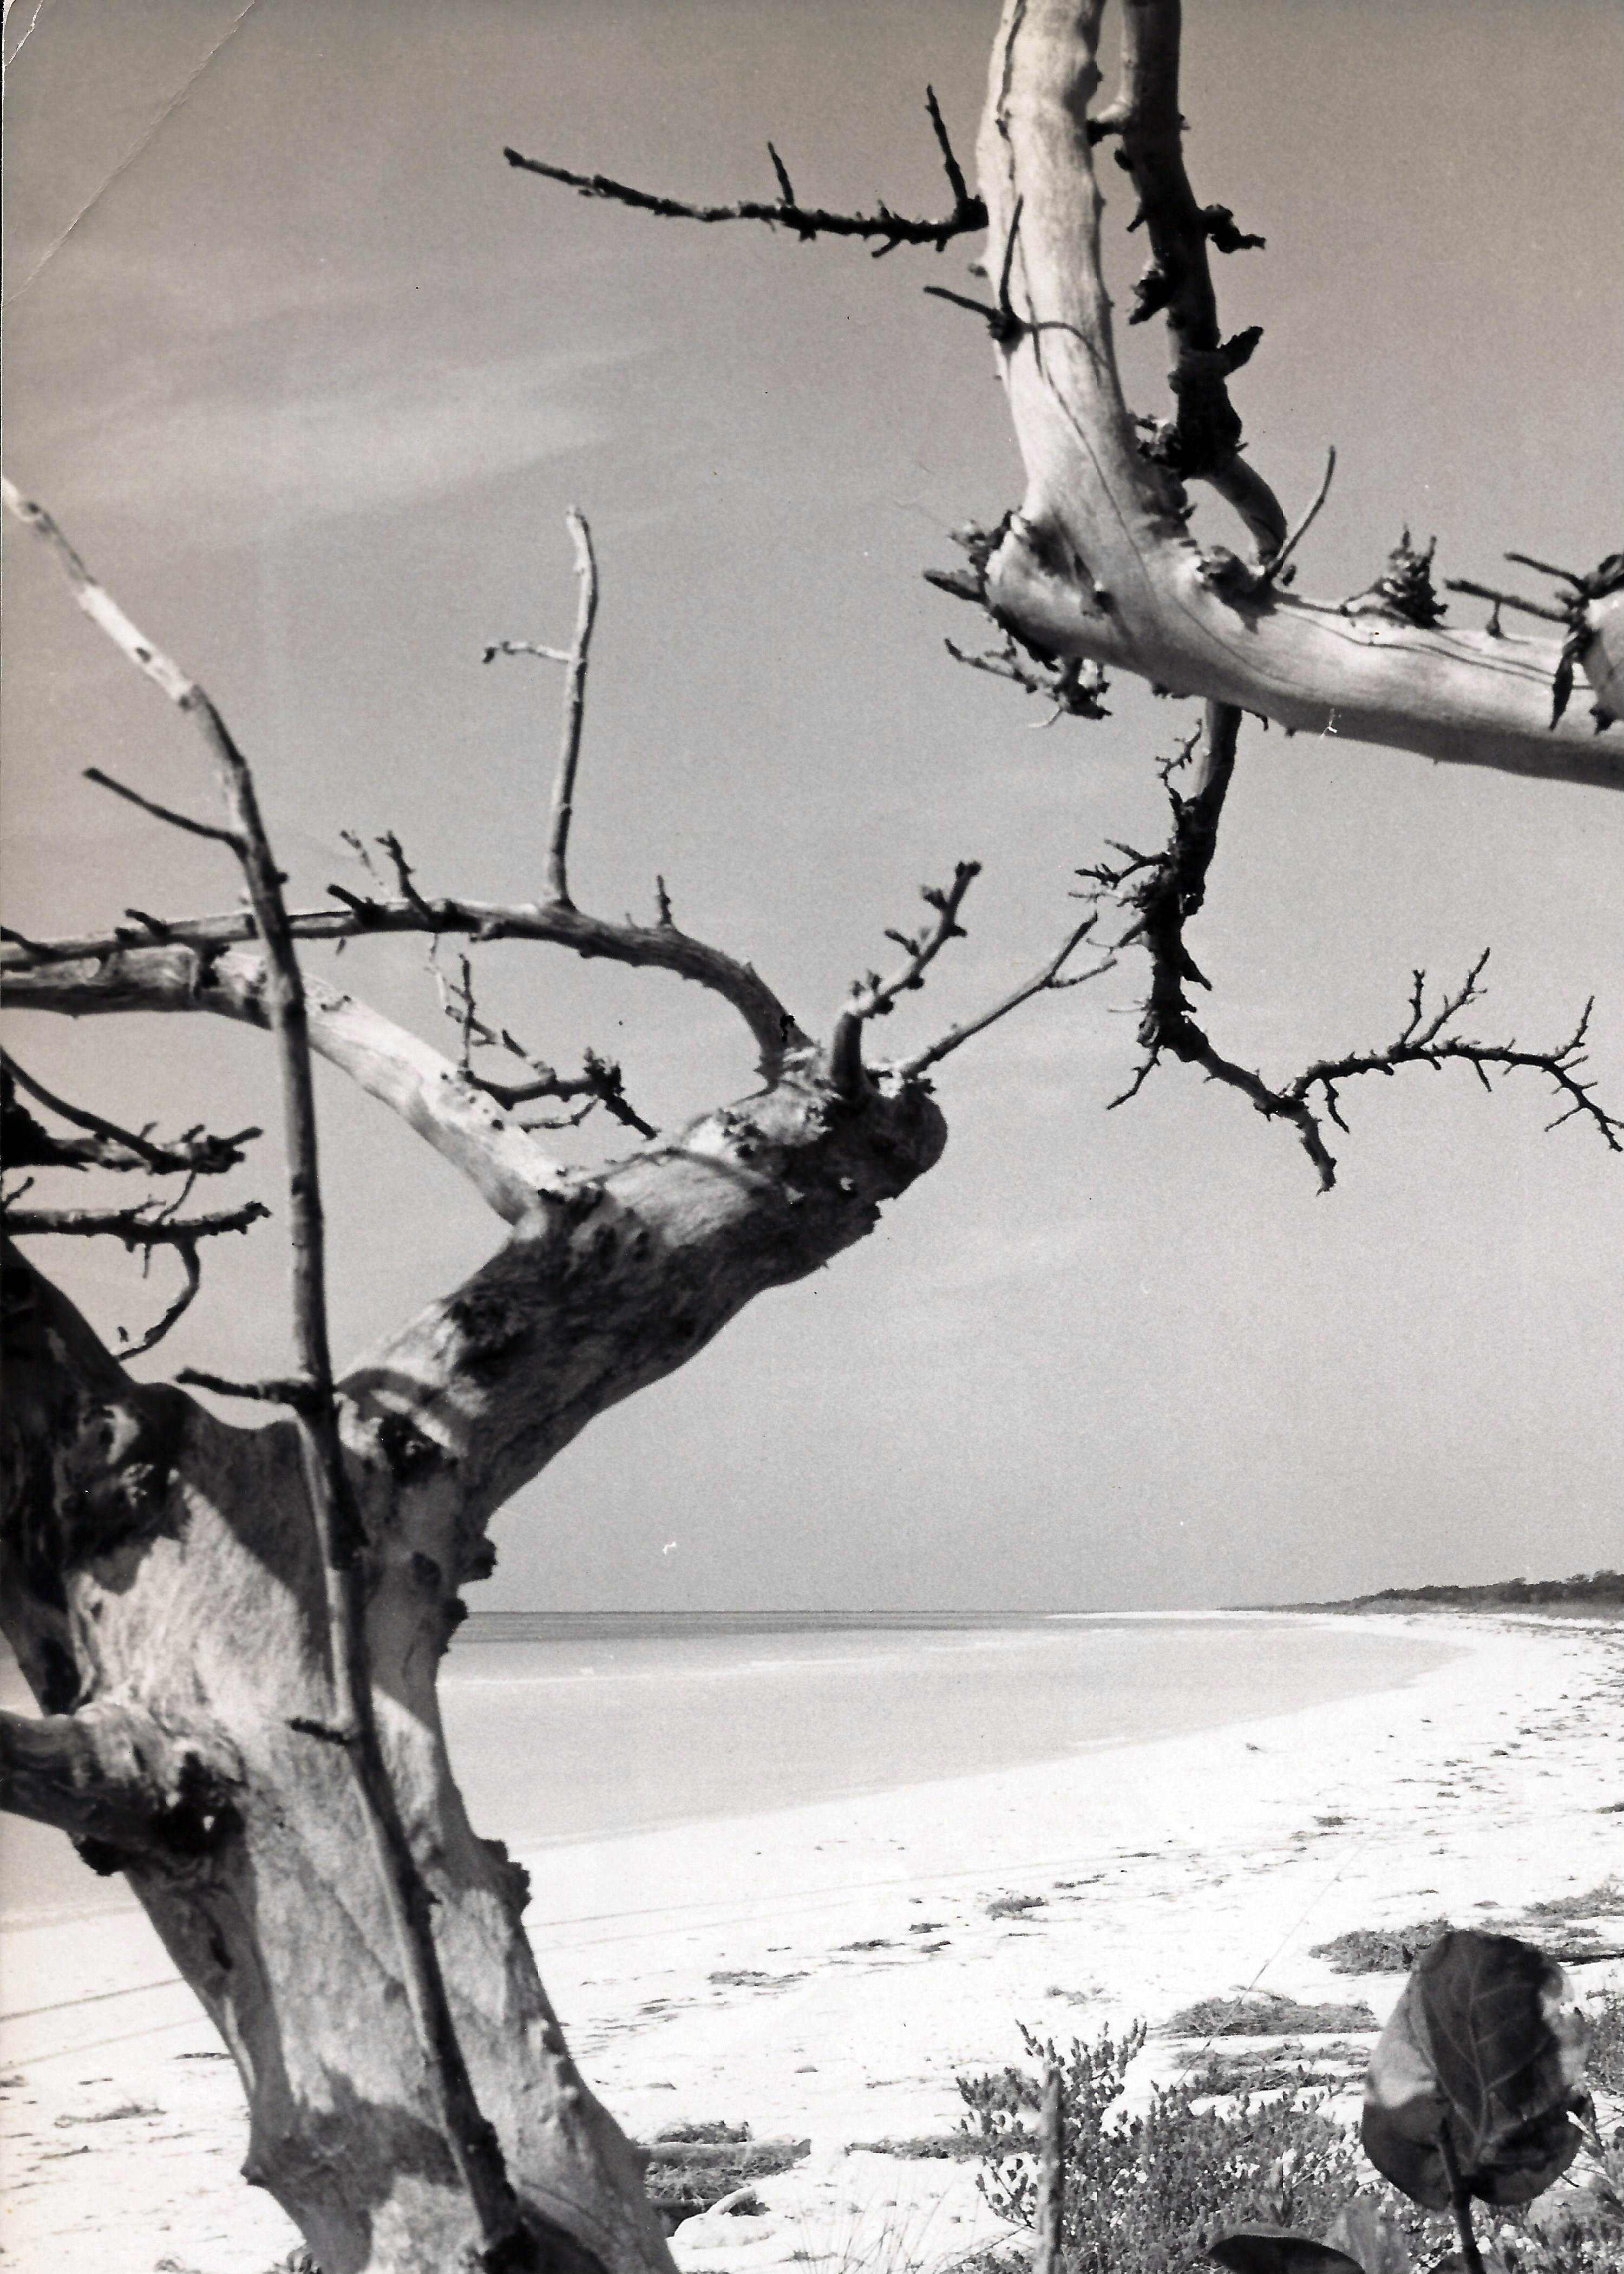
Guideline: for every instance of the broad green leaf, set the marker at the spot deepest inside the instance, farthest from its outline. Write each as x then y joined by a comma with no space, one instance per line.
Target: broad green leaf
1487,2040
1277,2250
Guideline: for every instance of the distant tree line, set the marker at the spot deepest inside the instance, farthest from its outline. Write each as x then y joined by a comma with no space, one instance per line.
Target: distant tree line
1583,1587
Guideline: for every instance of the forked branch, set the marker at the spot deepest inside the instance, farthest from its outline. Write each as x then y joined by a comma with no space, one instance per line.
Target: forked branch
1163,891
1099,562
874,998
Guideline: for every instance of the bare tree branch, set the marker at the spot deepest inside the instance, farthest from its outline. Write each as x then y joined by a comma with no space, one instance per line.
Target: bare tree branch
1099,562
1592,609
1202,442
599,1082
1424,1042
196,1152
165,813
874,998
574,707
1275,570
1165,891
659,946
807,222
1072,686
574,658
1502,599
469,2138
135,1228
1048,981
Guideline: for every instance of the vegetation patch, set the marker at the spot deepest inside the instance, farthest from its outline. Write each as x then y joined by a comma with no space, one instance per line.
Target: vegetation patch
1265,2014
692,2168
749,1978
930,2147
1378,1949
1604,1902
1142,2193
1592,1594
1293,2065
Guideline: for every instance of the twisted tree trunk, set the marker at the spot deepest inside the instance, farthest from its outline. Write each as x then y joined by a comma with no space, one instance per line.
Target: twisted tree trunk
163,1594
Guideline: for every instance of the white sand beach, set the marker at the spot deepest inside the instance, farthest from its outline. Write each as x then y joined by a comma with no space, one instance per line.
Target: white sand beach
826,1971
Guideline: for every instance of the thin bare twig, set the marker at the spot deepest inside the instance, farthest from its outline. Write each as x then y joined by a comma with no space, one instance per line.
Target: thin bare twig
469,2138
574,708
524,647
807,222
1506,599
196,1152
1274,571
874,998
1048,981
1073,686
1573,610
599,1082
165,813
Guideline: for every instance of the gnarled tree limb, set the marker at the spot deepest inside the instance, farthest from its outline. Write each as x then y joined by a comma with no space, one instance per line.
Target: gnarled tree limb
114,1774
659,946
1099,563
505,1165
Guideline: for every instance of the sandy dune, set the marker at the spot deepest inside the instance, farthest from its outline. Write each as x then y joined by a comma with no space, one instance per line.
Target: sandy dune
826,1971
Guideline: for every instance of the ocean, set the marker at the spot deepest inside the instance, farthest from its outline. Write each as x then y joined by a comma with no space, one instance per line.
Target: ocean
575,1727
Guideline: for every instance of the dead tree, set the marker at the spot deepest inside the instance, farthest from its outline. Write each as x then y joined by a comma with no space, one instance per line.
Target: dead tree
232,1628
233,1631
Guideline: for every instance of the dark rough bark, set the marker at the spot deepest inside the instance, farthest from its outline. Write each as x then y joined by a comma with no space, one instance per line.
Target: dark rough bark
161,1591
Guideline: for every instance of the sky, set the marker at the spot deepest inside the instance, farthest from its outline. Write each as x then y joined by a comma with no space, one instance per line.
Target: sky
311,377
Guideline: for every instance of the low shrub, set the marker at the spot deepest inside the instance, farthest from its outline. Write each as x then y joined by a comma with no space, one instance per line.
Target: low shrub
1143,2193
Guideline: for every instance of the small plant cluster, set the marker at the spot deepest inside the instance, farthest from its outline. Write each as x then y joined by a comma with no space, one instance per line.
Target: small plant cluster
1475,2095
1144,2193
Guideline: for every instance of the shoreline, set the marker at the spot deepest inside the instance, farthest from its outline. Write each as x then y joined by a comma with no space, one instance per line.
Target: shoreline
826,1970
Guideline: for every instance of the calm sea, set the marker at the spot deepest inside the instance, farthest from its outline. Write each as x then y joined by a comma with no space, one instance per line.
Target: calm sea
568,1726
